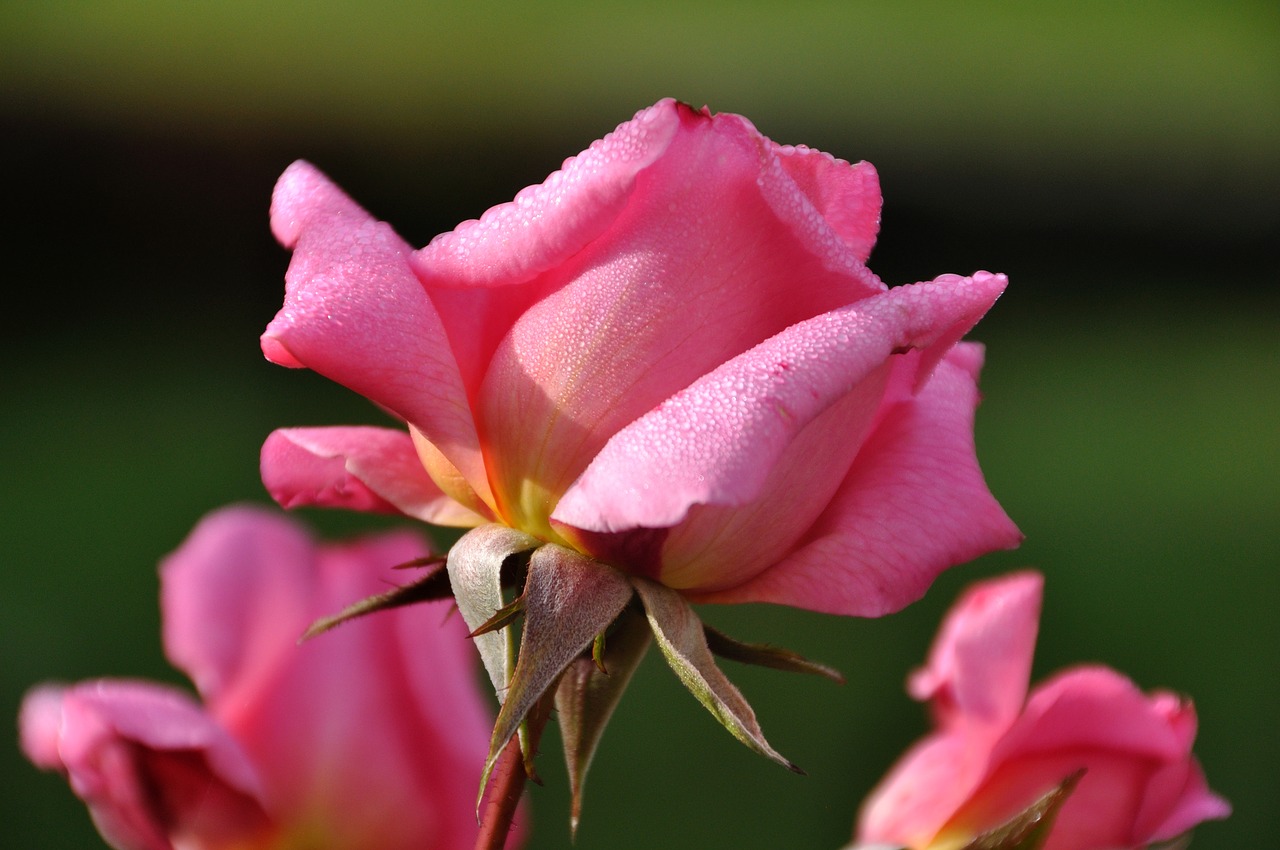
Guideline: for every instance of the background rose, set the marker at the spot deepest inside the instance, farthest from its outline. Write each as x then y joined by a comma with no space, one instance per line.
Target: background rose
371,739
996,750
670,356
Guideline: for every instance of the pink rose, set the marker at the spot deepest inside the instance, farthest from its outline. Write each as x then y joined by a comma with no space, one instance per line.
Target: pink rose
669,357
996,750
368,739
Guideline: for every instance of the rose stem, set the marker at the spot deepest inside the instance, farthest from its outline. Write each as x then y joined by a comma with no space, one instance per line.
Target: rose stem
506,784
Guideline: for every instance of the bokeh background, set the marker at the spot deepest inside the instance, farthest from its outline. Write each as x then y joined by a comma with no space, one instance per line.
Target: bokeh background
1120,161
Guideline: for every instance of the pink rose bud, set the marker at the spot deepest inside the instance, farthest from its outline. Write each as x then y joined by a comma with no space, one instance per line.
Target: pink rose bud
996,750
670,356
367,739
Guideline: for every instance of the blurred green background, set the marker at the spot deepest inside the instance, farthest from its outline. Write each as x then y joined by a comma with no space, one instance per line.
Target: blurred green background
1120,161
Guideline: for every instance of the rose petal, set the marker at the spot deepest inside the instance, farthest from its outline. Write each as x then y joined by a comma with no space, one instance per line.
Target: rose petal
980,664
358,468
715,442
236,597
149,763
921,792
914,503
715,249
845,198
373,734
1091,707
1178,798
355,312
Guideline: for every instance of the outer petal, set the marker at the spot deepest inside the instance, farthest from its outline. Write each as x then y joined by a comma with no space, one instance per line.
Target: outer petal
980,665
355,729
1178,798
1141,783
236,596
846,197
1177,795
153,768
359,468
547,224
922,791
355,312
715,442
914,503
1096,708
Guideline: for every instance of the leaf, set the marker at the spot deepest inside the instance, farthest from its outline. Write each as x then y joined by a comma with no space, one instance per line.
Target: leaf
763,655
568,599
475,572
587,696
684,644
434,585
1029,829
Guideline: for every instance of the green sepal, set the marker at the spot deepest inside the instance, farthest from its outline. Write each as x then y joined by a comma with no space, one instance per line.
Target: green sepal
569,600
589,691
1029,829
434,585
683,642
475,571
764,655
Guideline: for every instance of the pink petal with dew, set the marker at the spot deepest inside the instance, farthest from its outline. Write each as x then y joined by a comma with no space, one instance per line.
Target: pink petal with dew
716,250
355,312
717,547
358,468
913,504
149,763
846,198
485,273
548,223
716,442
980,665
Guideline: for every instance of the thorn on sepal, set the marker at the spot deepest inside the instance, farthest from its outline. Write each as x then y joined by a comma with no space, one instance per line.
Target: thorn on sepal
501,618
434,585
424,561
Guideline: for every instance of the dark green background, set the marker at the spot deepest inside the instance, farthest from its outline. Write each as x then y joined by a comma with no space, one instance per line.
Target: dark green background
1119,161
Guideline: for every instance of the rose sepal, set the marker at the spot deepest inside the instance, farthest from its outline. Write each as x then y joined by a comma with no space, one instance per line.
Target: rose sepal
588,693
569,599
680,636
1027,830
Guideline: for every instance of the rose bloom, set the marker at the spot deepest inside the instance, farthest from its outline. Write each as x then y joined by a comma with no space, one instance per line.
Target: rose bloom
996,750
670,357
370,739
